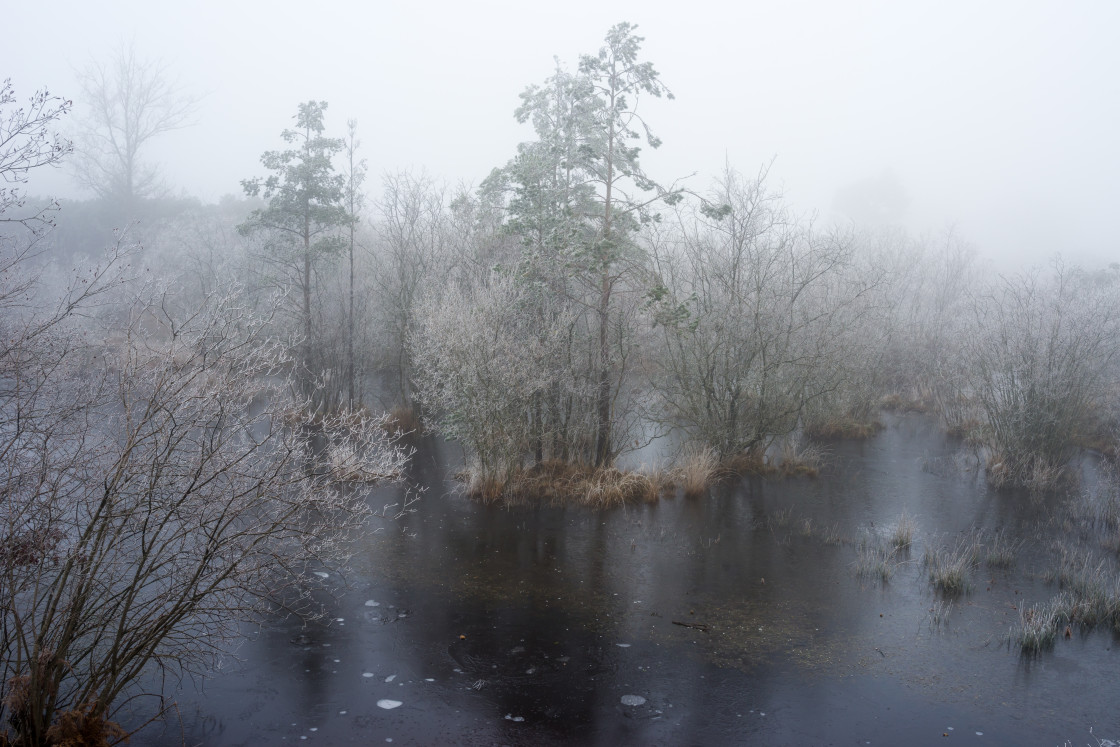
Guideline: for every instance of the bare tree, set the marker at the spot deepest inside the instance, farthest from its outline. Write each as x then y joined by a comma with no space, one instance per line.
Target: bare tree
128,102
411,252
355,175
756,312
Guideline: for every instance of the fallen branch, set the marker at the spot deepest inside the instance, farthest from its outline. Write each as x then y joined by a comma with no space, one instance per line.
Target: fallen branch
695,626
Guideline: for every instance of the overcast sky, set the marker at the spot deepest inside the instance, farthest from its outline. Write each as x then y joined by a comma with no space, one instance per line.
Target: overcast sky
1000,118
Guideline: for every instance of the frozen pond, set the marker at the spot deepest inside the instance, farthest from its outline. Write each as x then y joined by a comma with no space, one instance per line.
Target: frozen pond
743,617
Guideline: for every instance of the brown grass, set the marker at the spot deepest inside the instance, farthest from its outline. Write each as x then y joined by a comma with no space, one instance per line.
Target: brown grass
799,459
842,430
795,461
698,468
83,728
556,482
748,463
968,430
899,403
404,419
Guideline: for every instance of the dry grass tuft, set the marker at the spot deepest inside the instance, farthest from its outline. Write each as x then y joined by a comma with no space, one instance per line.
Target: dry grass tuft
949,568
903,535
1037,628
799,459
556,482
842,430
403,419
874,560
698,468
748,463
902,403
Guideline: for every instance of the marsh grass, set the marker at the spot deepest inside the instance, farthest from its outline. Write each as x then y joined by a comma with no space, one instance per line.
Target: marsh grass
969,430
1037,628
916,400
1089,597
557,483
799,458
1001,551
698,467
876,560
780,519
843,429
939,613
404,419
1090,591
949,567
902,536
795,458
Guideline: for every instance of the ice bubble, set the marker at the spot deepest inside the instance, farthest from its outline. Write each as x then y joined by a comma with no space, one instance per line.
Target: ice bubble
623,645
633,700
390,678
320,574
367,674
371,603
388,705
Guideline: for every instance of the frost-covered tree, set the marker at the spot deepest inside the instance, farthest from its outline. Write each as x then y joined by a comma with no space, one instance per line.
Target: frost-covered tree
618,79
411,252
306,212
28,141
158,485
483,360
575,198
355,176
1040,358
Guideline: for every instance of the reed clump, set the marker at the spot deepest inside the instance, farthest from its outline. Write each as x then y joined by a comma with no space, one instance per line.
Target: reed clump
902,536
698,467
556,482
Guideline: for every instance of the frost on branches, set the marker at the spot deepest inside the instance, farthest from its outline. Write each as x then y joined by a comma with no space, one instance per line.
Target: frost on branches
159,485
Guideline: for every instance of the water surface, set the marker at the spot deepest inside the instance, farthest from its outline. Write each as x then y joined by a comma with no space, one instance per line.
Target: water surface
736,618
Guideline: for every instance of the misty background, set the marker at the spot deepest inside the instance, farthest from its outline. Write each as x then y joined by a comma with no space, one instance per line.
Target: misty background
997,119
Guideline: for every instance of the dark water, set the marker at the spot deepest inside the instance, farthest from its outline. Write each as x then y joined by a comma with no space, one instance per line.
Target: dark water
534,625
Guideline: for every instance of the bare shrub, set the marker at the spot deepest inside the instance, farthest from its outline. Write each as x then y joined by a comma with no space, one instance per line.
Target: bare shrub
1038,360
758,315
156,495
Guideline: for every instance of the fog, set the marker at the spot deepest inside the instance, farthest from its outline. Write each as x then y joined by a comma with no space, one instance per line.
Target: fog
998,119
